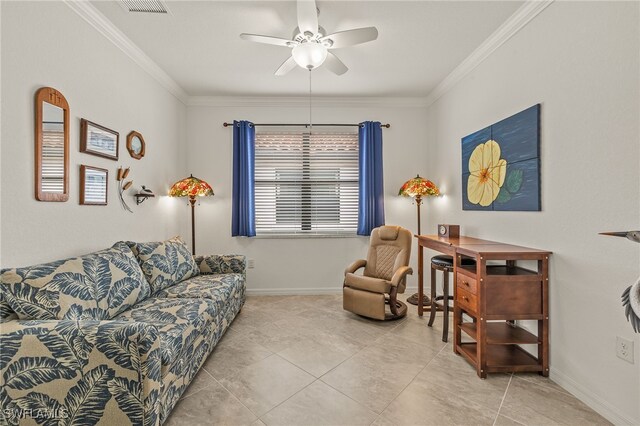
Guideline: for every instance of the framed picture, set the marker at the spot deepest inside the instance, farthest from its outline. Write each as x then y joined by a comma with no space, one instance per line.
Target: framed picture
93,186
98,140
501,165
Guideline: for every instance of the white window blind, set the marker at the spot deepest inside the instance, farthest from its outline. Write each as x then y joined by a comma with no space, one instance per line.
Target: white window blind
306,184
53,157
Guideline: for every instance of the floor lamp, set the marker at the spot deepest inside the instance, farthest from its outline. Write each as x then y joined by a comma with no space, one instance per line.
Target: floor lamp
191,187
418,188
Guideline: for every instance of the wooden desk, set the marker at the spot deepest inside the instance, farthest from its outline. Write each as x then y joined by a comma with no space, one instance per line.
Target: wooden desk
494,295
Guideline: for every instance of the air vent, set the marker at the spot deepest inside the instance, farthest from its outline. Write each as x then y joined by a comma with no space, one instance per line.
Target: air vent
145,6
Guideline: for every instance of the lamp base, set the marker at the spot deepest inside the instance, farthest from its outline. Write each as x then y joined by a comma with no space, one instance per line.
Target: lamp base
426,301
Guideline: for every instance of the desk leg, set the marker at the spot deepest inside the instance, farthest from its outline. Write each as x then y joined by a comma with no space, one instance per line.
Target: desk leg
457,336
543,325
420,279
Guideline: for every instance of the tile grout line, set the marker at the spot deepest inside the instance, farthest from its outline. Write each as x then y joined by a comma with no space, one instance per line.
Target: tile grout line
276,406
233,395
347,359
316,379
342,362
408,384
344,394
370,345
502,400
293,364
513,420
246,366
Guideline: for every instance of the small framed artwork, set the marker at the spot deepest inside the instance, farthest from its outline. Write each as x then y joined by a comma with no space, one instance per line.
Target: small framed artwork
93,186
98,140
135,145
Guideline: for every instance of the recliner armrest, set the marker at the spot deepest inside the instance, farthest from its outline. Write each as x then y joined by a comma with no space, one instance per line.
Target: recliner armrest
360,263
400,274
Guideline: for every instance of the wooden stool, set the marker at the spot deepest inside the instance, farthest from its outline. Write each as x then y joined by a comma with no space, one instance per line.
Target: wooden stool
441,303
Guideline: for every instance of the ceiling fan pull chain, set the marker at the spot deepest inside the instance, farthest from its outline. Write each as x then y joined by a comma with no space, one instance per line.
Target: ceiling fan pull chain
310,121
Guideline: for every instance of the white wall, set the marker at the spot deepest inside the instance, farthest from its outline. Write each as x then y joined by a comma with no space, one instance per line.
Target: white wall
47,44
581,62
299,265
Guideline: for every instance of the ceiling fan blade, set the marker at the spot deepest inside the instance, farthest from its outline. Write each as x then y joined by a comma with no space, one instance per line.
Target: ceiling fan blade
351,37
268,40
307,16
286,66
334,64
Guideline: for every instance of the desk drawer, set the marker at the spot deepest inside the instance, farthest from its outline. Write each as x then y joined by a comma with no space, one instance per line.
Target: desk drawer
468,284
466,300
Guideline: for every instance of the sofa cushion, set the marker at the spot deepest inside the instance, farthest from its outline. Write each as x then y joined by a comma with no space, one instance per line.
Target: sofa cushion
165,263
180,322
220,288
96,286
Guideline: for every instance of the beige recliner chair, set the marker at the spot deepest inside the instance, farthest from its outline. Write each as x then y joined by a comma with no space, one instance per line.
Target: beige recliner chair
385,273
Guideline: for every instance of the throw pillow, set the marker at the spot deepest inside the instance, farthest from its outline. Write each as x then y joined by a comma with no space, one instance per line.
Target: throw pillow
165,263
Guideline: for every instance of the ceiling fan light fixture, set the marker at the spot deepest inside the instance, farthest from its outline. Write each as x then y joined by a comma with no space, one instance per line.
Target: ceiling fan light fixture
309,55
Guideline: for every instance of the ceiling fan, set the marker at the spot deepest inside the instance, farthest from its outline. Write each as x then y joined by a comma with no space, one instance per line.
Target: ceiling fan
310,46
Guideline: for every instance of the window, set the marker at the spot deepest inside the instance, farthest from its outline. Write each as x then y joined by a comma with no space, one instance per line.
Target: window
306,184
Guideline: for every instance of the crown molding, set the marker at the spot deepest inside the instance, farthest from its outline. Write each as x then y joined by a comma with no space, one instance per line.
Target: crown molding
508,29
105,27
303,101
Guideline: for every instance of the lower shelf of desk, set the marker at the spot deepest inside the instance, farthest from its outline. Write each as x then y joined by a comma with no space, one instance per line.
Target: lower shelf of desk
502,358
501,333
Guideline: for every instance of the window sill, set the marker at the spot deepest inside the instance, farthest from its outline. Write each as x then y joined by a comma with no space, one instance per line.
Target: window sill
305,236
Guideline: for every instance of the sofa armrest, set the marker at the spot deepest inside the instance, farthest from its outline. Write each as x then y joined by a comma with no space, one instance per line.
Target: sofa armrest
83,371
222,264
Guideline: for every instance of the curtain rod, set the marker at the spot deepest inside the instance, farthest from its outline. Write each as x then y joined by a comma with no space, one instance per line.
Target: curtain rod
225,124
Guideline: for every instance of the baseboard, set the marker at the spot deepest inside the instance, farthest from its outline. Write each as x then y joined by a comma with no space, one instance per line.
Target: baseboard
318,291
602,407
294,291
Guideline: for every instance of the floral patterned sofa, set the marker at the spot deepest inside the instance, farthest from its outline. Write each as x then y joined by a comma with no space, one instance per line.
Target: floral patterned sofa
113,336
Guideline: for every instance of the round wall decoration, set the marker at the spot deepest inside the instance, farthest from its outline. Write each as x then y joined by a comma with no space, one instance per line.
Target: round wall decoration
135,145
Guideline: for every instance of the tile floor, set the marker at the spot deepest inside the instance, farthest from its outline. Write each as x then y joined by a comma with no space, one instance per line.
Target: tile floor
302,360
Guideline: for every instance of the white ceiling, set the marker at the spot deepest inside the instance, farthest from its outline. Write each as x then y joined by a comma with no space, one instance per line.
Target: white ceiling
420,43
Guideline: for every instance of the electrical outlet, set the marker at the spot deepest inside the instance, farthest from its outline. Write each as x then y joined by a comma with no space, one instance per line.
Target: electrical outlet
251,263
624,349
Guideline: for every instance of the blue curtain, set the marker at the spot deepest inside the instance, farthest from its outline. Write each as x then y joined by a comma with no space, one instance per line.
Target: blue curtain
243,220
371,186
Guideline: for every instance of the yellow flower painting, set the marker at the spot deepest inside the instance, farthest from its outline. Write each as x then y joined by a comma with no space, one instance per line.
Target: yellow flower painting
487,172
501,164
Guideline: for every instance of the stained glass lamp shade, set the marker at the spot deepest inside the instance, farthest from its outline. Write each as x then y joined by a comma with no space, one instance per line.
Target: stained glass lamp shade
191,187
419,187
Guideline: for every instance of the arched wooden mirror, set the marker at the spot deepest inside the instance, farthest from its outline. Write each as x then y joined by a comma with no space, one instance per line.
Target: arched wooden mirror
52,145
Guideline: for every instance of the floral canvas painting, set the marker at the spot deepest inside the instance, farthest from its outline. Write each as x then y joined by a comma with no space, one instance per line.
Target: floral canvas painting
501,165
